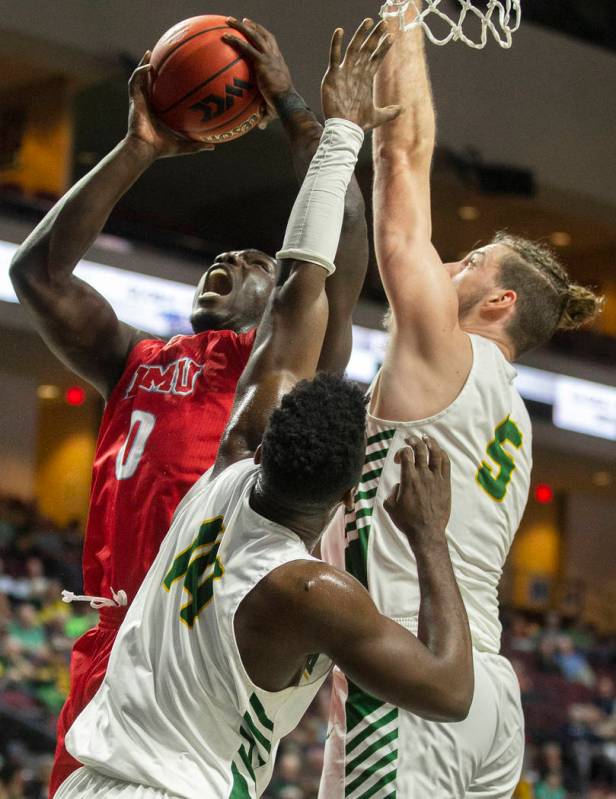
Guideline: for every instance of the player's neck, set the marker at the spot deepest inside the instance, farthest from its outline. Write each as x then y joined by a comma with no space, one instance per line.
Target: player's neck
308,523
494,334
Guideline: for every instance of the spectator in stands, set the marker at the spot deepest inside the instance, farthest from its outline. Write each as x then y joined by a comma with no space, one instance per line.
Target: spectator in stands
571,714
547,661
551,787
606,695
572,663
26,630
522,636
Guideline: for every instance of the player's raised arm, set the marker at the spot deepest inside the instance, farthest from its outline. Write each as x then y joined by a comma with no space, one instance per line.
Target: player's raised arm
304,131
330,612
423,301
290,336
76,322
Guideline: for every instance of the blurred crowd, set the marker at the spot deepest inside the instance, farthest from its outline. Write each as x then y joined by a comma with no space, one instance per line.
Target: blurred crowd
37,630
567,676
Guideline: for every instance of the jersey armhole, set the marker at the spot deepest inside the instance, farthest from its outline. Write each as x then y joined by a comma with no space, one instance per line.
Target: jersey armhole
135,354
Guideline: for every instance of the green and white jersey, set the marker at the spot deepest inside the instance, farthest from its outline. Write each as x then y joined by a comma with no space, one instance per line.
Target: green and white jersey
374,750
177,710
486,432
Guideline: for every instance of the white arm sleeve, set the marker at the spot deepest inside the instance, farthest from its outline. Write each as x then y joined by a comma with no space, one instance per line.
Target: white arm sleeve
315,224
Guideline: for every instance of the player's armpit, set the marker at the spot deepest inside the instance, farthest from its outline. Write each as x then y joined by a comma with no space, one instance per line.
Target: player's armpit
336,616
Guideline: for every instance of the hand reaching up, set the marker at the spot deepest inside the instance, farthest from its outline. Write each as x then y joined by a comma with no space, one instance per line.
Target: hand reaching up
347,88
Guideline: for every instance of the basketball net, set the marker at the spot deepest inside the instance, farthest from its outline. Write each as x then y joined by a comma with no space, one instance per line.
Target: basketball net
500,17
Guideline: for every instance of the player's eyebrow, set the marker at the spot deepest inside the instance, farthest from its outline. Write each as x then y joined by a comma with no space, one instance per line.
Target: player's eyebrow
260,254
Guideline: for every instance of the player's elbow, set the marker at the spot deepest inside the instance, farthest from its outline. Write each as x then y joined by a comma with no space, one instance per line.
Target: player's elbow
21,274
448,707
448,696
402,155
17,272
459,705
25,270
458,690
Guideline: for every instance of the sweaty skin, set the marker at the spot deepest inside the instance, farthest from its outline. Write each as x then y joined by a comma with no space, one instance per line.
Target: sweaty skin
304,608
429,348
81,327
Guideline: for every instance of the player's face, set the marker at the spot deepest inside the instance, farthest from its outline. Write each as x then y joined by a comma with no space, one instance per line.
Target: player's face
233,292
474,276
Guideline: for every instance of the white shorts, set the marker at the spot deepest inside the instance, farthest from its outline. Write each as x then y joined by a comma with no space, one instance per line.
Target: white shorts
388,752
87,784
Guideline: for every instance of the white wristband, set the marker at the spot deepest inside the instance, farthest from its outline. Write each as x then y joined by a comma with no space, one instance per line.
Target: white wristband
315,224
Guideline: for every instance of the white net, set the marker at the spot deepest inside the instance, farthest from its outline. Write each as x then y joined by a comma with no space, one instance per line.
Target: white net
501,18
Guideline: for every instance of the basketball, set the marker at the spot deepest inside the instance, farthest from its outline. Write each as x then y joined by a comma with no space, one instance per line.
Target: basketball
201,87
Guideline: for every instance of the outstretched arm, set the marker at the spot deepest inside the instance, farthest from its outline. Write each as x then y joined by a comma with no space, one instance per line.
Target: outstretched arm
344,287
325,610
290,336
304,131
425,330
76,322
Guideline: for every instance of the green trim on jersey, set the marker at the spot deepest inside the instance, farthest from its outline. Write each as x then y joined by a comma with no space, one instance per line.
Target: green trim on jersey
239,789
371,748
359,520
260,711
257,731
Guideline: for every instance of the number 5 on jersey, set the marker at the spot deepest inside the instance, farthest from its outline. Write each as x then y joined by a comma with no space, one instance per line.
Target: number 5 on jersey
493,482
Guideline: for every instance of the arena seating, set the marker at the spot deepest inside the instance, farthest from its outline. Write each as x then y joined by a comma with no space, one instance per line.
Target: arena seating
567,675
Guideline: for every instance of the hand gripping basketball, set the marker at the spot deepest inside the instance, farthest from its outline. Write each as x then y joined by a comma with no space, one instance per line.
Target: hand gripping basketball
261,49
144,127
347,88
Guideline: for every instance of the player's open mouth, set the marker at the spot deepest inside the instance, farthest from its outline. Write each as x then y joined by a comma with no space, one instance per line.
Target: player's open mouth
218,283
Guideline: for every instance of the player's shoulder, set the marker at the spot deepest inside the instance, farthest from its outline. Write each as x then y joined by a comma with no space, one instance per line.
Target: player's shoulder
311,586
240,472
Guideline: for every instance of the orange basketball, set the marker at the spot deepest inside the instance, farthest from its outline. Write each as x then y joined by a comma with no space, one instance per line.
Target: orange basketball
201,87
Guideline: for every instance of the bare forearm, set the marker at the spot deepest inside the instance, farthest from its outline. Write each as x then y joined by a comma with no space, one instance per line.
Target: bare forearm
286,350
56,245
443,623
404,79
290,336
304,131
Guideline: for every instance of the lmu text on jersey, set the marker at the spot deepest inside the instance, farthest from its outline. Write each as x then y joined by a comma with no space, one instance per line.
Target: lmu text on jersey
178,377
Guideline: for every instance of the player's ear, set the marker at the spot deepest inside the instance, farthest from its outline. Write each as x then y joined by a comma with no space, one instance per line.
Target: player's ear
500,300
347,498
257,455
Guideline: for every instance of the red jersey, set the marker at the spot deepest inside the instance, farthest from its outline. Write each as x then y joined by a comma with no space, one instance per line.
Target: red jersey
160,432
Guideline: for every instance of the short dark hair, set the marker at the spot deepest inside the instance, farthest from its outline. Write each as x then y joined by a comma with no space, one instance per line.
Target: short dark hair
314,444
547,300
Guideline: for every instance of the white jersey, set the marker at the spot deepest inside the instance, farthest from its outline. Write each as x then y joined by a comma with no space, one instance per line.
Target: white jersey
486,432
177,710
376,750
